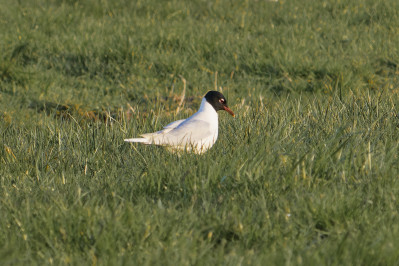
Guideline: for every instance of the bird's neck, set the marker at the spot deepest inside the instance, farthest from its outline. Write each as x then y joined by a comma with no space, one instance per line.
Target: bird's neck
207,109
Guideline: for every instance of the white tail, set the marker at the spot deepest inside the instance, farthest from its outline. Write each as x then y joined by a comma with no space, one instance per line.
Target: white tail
142,140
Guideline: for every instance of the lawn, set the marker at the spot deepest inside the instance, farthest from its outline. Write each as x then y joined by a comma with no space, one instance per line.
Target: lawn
307,173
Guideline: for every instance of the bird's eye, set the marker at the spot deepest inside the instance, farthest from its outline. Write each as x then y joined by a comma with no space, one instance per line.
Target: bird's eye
222,101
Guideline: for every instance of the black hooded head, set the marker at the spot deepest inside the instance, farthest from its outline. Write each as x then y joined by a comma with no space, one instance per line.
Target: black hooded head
218,101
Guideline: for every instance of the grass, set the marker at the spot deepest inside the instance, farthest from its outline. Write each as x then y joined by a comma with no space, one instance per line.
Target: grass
305,174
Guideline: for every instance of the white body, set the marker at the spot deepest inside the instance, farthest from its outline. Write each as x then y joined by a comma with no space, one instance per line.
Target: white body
197,133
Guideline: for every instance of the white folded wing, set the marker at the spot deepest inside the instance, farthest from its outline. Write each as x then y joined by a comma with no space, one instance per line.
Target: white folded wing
182,134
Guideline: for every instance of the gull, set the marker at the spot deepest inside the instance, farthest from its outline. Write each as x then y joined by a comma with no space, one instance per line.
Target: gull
197,133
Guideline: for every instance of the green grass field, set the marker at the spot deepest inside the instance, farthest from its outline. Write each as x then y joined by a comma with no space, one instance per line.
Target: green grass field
306,174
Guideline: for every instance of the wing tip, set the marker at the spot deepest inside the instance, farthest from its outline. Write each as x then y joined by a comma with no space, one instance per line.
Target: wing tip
140,140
